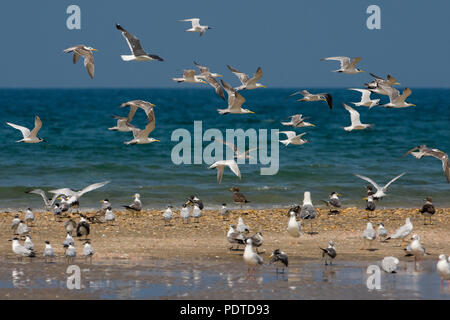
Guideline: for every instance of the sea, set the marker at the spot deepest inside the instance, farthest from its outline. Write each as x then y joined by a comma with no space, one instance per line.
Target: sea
80,150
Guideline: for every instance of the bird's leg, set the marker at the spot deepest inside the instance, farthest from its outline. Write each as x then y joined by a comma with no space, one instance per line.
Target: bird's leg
364,245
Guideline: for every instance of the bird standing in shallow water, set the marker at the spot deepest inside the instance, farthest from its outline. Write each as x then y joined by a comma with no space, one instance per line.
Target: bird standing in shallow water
70,253
235,237
88,251
20,250
329,253
280,258
251,258
49,254
369,234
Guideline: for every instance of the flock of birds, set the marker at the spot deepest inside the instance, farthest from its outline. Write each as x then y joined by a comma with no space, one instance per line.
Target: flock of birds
69,199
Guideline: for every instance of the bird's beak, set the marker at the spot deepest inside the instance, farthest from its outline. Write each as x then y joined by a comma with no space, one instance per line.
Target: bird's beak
312,125
250,112
94,49
263,86
339,195
219,76
157,140
396,83
413,105
361,71
271,255
365,198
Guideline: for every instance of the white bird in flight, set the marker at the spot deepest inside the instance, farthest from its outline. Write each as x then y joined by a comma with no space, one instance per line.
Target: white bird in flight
378,85
235,101
381,191
189,76
293,138
122,125
196,27
365,99
136,48
397,100
297,121
85,52
423,150
355,119
247,82
29,136
307,96
141,136
220,166
347,66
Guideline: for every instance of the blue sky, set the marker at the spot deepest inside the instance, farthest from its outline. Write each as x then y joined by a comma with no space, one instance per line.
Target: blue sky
286,38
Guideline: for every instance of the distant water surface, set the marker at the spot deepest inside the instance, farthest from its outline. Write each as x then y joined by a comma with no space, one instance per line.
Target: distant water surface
80,150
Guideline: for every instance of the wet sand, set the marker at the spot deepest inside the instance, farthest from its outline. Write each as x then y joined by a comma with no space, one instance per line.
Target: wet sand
146,237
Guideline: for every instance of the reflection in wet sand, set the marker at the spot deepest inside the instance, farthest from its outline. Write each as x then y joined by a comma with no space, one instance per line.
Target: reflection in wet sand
219,280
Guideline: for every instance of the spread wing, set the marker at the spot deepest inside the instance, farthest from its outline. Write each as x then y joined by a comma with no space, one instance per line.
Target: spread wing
92,187
369,180
37,126
133,42
389,183
25,131
354,115
241,76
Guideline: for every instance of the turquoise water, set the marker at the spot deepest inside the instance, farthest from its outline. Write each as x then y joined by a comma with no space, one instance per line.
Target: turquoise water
80,150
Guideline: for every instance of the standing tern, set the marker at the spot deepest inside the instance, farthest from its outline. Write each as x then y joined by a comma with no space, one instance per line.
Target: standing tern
136,48
29,136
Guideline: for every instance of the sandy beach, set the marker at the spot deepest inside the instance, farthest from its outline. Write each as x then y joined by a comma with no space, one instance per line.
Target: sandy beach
146,237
